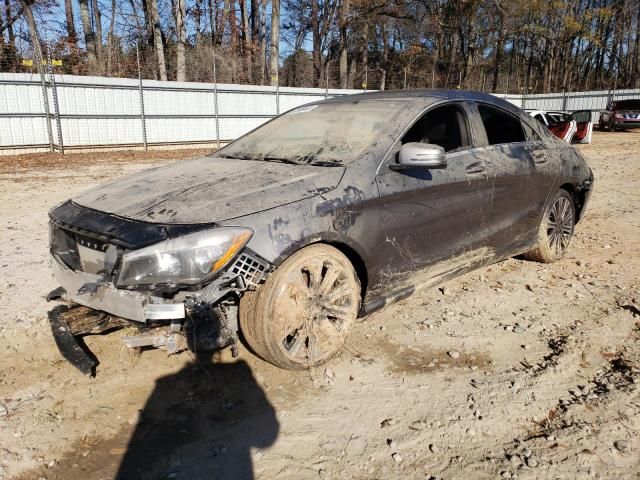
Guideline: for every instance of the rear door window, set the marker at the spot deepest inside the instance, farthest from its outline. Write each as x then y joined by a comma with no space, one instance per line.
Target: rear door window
530,134
501,127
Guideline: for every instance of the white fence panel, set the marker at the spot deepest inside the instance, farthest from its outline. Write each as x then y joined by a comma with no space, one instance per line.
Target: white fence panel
101,111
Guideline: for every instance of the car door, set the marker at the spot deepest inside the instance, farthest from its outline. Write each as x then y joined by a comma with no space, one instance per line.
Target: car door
520,165
584,126
432,215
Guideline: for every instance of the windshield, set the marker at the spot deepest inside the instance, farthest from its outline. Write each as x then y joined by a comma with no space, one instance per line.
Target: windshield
328,134
628,105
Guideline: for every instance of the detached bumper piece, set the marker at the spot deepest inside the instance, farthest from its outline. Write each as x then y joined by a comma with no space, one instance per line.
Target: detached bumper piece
70,324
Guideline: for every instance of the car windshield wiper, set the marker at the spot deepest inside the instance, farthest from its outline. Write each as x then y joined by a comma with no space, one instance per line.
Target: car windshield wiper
236,157
259,158
279,159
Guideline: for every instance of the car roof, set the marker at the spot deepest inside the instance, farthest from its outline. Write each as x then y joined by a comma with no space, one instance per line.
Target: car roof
426,96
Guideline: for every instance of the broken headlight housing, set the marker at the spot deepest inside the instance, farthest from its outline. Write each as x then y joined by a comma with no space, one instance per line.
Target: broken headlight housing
187,260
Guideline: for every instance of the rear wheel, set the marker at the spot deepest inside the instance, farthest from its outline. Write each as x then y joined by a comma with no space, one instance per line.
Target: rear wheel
300,316
556,229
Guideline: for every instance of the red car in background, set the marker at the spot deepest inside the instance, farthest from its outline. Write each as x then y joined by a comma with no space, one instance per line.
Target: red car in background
620,115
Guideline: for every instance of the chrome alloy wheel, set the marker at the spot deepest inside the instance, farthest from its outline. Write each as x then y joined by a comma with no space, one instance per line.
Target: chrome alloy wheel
560,225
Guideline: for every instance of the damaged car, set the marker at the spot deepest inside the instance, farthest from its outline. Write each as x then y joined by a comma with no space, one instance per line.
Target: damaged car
575,127
323,215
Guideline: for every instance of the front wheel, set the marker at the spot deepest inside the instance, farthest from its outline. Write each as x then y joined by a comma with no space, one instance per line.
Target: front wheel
556,229
300,316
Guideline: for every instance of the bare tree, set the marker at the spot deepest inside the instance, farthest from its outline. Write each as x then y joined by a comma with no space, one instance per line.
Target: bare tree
97,21
275,41
157,39
33,30
181,32
344,56
511,45
70,23
262,42
89,36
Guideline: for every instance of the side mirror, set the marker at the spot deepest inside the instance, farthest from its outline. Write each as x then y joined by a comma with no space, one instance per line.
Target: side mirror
420,155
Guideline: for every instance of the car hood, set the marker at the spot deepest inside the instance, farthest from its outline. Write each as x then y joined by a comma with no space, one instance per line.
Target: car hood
209,189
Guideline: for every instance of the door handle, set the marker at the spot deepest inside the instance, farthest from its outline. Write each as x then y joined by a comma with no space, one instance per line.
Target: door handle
539,156
476,168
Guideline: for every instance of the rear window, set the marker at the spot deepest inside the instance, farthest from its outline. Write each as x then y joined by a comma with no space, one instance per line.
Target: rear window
627,105
500,126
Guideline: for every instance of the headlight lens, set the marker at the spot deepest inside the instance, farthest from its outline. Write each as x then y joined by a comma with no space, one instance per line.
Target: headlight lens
190,259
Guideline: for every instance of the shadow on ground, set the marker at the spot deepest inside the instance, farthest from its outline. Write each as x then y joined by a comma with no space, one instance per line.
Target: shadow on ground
201,424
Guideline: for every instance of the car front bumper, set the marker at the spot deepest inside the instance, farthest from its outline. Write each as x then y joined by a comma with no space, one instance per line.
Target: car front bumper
86,289
627,123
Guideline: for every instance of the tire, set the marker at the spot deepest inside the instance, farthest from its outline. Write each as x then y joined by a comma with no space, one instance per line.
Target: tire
556,229
300,317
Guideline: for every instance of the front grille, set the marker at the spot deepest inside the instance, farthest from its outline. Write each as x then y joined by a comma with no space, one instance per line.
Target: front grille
91,243
78,252
92,253
252,268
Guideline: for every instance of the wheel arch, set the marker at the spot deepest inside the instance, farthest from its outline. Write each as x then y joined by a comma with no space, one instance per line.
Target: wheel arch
349,249
577,196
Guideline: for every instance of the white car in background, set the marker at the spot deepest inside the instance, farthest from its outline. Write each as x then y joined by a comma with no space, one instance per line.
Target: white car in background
576,127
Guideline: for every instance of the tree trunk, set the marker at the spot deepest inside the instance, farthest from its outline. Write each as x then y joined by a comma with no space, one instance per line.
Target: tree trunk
89,36
317,45
233,27
246,41
212,20
275,41
499,50
385,56
181,74
148,21
33,31
157,39
197,17
255,39
110,37
364,53
262,61
97,16
8,52
344,56
72,38
223,19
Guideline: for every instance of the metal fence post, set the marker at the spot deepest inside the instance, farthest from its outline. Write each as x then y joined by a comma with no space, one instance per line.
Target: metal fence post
45,96
56,105
215,99
278,99
142,117
326,80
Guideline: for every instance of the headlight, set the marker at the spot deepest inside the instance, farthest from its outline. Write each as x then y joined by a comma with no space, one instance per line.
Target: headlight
190,259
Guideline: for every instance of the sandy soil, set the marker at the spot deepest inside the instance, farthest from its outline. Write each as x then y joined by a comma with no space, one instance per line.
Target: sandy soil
544,383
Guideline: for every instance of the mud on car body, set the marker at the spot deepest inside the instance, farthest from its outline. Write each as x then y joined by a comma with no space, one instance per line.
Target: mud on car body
324,214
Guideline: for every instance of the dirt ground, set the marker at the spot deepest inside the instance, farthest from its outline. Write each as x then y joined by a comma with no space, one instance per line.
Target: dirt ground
518,370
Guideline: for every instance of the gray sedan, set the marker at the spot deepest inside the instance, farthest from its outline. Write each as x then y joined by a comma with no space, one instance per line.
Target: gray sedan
328,212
